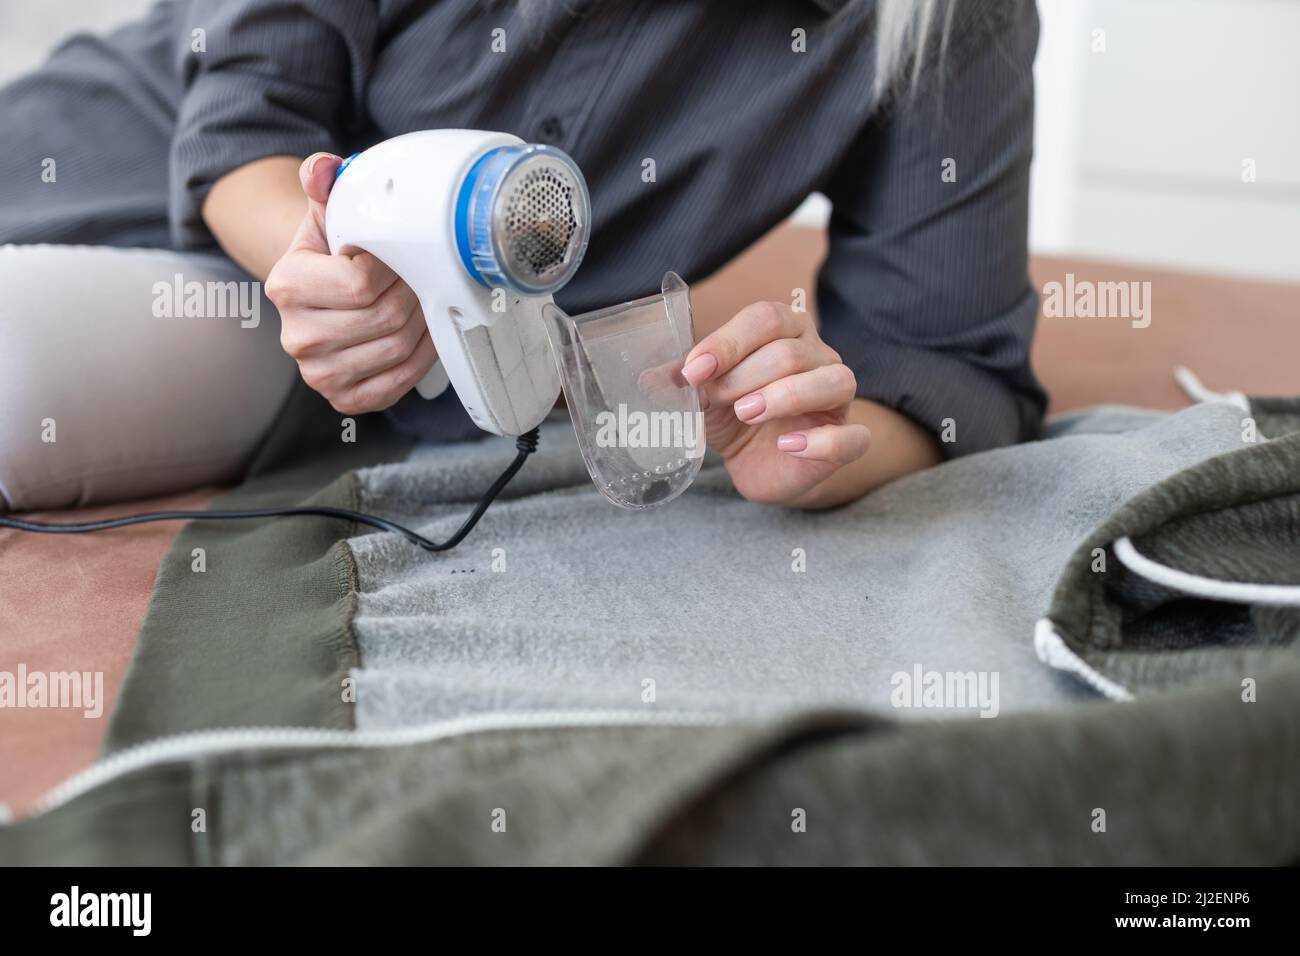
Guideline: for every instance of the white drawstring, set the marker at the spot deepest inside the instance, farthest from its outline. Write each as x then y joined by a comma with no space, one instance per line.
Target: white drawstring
1054,652
1237,592
1197,392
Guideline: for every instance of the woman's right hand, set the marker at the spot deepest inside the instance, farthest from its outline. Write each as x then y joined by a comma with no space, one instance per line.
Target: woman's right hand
355,329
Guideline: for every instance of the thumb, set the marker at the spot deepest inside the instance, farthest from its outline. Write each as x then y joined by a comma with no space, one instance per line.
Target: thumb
317,177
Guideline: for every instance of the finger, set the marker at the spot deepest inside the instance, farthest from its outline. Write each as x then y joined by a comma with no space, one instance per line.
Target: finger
339,371
382,390
388,313
314,280
322,332
838,444
316,174
770,363
662,383
749,329
818,390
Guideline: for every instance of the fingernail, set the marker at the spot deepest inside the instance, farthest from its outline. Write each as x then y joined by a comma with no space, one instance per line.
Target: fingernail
795,441
700,368
751,406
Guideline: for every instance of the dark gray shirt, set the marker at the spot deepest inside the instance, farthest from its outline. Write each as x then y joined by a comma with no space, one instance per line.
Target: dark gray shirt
924,292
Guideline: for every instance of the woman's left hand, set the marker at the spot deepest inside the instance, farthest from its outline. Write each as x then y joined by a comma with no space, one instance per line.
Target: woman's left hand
778,402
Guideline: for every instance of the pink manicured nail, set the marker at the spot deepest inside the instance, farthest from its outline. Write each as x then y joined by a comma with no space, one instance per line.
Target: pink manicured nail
751,406
700,368
795,441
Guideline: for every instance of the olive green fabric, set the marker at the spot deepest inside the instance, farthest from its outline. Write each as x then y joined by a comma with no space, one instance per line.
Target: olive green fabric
262,635
1184,778
1191,772
1234,518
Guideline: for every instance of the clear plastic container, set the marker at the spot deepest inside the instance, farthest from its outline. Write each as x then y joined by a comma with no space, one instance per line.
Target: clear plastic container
639,423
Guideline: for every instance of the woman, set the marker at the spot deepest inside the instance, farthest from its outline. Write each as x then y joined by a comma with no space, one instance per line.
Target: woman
697,127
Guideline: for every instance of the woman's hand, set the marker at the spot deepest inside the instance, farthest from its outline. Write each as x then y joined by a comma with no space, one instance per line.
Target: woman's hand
355,329
779,402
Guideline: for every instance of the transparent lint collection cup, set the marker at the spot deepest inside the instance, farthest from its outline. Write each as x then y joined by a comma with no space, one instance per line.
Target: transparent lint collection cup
639,423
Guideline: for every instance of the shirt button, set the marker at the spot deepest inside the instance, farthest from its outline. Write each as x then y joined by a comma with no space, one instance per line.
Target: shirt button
551,128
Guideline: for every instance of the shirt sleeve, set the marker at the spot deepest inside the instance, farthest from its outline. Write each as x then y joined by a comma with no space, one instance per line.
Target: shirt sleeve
925,290
262,78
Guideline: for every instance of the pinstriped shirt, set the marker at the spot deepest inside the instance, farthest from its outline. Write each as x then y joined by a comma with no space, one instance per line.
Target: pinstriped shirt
698,125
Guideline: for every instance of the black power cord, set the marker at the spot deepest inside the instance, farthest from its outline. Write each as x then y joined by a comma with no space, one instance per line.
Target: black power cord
525,445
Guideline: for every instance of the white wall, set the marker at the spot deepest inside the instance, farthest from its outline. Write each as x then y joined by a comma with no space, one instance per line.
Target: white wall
1059,101
1138,150
29,29
1141,146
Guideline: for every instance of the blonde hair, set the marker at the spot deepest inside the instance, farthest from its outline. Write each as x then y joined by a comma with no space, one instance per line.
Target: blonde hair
903,31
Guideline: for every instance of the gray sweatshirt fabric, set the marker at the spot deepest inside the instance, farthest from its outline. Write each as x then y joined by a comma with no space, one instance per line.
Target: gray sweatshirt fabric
1193,770
713,605
925,291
